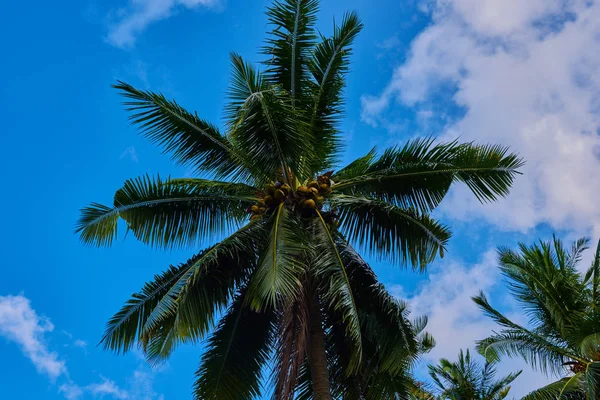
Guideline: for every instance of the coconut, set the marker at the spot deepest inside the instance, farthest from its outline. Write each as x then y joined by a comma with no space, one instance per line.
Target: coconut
270,189
254,209
324,187
279,194
261,202
302,189
285,187
313,184
320,199
314,191
309,203
268,200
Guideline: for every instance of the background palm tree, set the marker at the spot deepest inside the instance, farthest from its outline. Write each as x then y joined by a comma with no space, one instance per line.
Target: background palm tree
467,379
562,305
287,287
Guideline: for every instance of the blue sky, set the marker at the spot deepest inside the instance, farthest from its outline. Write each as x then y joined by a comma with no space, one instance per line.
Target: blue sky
524,74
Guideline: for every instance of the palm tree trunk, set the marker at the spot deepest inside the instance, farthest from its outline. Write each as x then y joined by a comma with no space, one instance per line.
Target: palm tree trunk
318,358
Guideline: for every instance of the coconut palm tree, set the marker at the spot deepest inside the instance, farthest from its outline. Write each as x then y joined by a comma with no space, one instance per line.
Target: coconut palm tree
285,284
563,336
468,380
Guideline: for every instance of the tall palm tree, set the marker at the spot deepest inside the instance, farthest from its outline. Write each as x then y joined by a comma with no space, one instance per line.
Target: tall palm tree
468,380
296,293
563,308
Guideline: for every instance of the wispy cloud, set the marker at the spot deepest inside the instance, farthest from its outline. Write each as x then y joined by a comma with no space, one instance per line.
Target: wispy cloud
133,19
130,153
107,388
524,75
19,323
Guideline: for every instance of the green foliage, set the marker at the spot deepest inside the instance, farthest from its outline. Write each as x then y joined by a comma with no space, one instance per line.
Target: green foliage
287,268
468,379
563,335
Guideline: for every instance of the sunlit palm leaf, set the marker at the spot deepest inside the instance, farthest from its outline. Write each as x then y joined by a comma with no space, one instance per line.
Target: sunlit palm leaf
565,389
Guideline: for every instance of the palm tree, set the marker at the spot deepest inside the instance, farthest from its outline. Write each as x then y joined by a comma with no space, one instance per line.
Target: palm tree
468,380
562,304
285,284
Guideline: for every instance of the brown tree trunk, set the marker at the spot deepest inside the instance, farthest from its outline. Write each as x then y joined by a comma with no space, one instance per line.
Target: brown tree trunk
318,358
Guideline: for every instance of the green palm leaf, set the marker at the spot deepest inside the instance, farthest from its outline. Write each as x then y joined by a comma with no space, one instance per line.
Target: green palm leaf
564,389
167,213
183,300
236,353
419,174
277,277
389,232
191,140
384,319
328,66
335,282
291,42
264,126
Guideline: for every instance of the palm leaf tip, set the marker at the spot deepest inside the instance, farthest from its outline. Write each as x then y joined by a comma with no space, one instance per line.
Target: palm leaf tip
190,140
97,225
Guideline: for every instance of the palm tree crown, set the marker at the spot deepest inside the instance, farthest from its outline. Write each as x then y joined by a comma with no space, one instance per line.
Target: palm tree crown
466,379
564,333
296,293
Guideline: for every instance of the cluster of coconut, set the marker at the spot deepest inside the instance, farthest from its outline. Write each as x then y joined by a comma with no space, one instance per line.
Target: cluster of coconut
307,197
273,195
312,194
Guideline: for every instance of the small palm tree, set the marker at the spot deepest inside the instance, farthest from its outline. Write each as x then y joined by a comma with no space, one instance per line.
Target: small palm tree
468,380
564,317
286,285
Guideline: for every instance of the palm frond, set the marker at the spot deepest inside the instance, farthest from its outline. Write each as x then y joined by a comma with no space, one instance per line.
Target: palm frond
515,340
570,388
277,277
290,43
331,272
191,140
402,236
420,173
236,353
167,213
384,319
180,303
356,168
264,126
328,66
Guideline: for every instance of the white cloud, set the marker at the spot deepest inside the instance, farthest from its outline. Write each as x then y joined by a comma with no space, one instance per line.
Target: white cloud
107,388
526,75
70,391
140,387
135,18
19,323
455,321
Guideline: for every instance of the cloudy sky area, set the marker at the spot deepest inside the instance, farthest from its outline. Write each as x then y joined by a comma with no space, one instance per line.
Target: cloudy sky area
522,74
